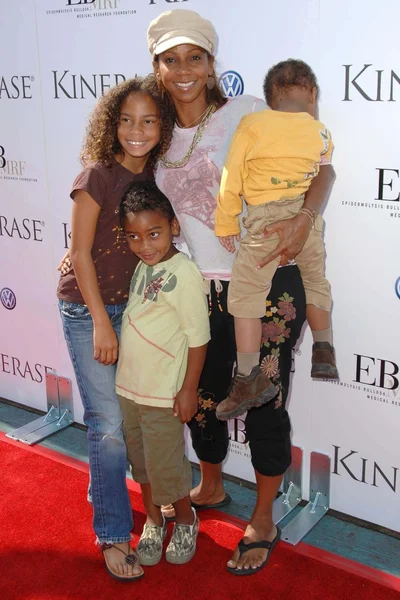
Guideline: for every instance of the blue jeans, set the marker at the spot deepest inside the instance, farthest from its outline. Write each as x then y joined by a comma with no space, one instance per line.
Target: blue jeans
112,512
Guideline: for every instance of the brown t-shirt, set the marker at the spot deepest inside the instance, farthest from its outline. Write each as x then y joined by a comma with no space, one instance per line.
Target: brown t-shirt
113,260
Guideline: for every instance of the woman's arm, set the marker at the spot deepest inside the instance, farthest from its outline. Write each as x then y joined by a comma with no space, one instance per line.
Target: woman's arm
294,232
85,214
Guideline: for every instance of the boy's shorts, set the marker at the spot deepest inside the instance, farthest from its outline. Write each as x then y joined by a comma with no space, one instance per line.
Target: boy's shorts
156,450
249,286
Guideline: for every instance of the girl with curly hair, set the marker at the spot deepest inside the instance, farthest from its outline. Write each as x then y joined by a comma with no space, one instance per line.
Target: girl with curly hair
129,128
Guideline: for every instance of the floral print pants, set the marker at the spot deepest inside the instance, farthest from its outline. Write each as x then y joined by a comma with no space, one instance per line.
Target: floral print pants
268,427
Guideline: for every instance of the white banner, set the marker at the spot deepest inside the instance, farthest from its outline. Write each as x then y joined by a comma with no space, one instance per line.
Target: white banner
64,54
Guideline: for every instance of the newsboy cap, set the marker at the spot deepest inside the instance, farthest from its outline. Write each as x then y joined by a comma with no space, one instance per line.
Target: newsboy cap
175,27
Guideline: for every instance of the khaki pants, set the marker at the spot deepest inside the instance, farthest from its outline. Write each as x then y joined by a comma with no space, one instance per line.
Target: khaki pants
250,287
156,450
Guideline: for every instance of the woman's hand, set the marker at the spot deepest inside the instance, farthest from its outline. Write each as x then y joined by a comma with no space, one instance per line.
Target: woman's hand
186,404
293,234
228,242
105,343
65,264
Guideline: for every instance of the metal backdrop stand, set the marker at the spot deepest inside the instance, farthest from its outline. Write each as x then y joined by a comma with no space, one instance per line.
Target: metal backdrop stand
60,413
291,489
304,521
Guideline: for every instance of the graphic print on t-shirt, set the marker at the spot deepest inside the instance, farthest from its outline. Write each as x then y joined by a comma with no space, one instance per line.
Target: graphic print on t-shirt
195,184
151,282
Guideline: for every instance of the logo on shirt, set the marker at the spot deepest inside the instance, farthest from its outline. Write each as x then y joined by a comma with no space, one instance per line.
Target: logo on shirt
397,288
231,84
8,298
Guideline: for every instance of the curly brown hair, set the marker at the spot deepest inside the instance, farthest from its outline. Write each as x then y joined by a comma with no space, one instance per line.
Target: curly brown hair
287,74
101,141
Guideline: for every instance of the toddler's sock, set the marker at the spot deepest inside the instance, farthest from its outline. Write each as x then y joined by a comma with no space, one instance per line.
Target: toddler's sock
323,336
246,361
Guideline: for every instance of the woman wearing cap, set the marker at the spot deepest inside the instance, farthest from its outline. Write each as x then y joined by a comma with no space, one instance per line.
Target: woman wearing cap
183,46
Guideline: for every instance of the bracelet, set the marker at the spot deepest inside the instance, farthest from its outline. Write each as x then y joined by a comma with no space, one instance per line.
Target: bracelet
310,214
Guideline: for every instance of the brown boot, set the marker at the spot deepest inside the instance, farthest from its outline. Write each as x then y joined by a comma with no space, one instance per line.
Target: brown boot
323,361
246,392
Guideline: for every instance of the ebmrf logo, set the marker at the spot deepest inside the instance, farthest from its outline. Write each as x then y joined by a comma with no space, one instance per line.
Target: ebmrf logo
89,9
376,372
387,196
231,84
8,298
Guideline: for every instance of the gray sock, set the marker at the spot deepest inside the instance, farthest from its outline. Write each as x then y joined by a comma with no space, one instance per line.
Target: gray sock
323,336
246,361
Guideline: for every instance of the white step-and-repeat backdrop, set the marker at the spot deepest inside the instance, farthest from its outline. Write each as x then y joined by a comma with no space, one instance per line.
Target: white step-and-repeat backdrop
59,56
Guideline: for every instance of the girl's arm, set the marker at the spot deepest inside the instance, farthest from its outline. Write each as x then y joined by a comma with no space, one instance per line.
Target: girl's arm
85,214
294,232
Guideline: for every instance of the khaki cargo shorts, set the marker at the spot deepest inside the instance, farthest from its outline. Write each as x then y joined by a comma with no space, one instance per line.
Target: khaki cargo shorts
156,450
249,287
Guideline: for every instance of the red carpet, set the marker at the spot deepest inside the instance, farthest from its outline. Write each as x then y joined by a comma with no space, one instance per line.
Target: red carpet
47,550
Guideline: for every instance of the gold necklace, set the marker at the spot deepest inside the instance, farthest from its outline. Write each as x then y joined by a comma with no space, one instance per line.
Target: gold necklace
193,122
176,164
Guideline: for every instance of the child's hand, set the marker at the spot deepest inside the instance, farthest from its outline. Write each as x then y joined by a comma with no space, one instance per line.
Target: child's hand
185,405
65,264
105,343
228,242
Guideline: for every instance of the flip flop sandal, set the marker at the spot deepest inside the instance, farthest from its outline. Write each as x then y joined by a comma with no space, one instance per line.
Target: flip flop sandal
130,559
243,548
227,500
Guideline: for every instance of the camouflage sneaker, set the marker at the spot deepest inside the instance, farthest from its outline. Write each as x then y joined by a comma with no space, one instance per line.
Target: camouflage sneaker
247,391
150,546
323,361
182,545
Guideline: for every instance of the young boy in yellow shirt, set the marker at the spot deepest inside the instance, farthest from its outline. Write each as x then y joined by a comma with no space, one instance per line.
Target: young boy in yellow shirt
164,336
273,158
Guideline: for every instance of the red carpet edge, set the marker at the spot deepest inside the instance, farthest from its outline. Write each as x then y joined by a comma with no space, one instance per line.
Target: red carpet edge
347,565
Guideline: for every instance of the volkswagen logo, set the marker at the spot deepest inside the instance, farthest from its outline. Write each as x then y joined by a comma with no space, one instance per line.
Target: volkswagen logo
8,298
397,287
231,84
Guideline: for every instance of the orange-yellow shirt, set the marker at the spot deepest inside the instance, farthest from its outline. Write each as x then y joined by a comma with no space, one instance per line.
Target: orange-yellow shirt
273,155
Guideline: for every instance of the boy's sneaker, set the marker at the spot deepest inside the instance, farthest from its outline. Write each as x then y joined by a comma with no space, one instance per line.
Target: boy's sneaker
182,545
246,392
150,546
323,361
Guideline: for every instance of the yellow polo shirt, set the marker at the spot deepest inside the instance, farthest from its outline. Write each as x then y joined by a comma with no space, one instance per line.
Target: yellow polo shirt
166,315
273,155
